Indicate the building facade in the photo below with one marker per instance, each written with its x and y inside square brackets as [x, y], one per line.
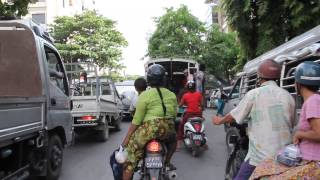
[44, 12]
[217, 15]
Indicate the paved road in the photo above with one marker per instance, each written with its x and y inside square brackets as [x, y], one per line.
[89, 160]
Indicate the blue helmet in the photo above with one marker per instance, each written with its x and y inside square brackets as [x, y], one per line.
[156, 75]
[308, 73]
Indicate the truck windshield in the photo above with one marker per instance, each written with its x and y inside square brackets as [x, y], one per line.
[86, 90]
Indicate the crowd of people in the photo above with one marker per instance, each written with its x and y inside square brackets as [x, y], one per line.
[271, 126]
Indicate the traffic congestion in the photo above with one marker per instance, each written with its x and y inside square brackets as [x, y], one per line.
[67, 112]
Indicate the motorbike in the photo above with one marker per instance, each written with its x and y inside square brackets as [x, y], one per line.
[237, 137]
[194, 136]
[152, 166]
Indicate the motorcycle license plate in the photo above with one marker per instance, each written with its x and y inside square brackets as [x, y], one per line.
[197, 137]
[153, 162]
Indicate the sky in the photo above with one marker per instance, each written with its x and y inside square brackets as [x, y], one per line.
[135, 21]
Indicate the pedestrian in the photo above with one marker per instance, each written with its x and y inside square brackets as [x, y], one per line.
[307, 137]
[191, 74]
[140, 85]
[271, 110]
[200, 79]
[220, 96]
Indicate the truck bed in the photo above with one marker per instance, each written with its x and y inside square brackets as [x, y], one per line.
[20, 116]
[90, 104]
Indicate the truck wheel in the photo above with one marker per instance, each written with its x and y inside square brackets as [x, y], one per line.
[118, 124]
[103, 135]
[55, 156]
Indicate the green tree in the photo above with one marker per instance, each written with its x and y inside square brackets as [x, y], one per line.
[178, 34]
[15, 9]
[264, 25]
[220, 53]
[89, 37]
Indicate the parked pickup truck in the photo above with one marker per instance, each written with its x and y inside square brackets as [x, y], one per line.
[97, 105]
[35, 116]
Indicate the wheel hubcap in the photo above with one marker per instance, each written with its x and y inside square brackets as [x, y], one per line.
[56, 157]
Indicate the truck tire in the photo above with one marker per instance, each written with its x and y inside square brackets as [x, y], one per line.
[103, 135]
[55, 156]
[118, 124]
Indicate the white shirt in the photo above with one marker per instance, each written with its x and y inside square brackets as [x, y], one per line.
[134, 102]
[271, 111]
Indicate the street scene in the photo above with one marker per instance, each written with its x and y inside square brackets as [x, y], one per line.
[159, 90]
[89, 160]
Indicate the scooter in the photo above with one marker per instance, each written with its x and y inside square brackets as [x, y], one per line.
[194, 136]
[153, 167]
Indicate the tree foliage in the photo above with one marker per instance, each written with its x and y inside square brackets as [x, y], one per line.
[16, 8]
[220, 53]
[264, 25]
[89, 37]
[178, 34]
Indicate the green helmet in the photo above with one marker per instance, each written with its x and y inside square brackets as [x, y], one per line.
[308, 73]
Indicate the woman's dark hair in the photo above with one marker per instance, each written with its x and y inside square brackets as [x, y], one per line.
[311, 88]
[140, 84]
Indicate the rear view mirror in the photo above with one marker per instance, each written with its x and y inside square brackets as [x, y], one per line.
[55, 74]
[122, 96]
[71, 105]
[233, 139]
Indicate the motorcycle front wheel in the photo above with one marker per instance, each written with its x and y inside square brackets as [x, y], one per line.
[234, 164]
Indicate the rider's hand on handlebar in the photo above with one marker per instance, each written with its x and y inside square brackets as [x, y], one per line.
[216, 120]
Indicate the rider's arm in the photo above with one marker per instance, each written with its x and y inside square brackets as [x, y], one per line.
[222, 120]
[201, 102]
[131, 130]
[311, 135]
[137, 119]
[239, 113]
[181, 102]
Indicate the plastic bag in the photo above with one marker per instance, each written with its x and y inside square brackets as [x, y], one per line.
[121, 155]
[117, 168]
[290, 155]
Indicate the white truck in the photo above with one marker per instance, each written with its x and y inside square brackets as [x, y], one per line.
[97, 105]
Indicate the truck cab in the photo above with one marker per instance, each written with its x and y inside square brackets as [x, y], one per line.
[35, 116]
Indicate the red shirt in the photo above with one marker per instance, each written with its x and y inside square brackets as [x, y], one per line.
[193, 101]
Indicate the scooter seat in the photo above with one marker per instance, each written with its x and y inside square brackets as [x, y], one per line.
[196, 119]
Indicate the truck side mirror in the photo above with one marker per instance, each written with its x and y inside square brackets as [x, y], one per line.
[71, 105]
[122, 96]
[56, 74]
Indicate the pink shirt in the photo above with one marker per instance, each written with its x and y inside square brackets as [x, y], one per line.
[311, 109]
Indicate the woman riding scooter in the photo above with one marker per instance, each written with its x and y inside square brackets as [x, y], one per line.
[307, 137]
[149, 122]
[194, 102]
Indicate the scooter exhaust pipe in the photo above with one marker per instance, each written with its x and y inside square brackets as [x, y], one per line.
[172, 175]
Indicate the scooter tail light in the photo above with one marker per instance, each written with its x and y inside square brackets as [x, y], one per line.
[197, 127]
[154, 146]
